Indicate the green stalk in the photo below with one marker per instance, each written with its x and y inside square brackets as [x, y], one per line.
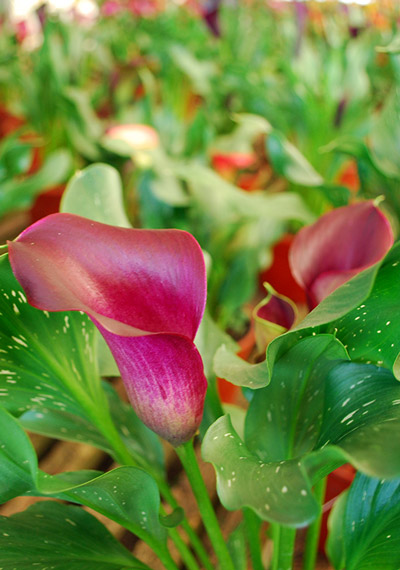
[195, 541]
[252, 528]
[188, 459]
[123, 456]
[284, 538]
[313, 532]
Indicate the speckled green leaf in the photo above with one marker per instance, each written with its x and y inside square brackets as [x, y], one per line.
[18, 462]
[276, 491]
[319, 411]
[365, 526]
[321, 407]
[284, 419]
[127, 495]
[371, 331]
[355, 312]
[49, 377]
[96, 193]
[64, 538]
[47, 361]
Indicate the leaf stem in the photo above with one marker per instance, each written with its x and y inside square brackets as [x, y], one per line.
[313, 532]
[195, 541]
[124, 457]
[284, 538]
[252, 529]
[188, 459]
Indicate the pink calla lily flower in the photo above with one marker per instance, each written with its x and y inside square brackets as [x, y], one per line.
[339, 245]
[145, 290]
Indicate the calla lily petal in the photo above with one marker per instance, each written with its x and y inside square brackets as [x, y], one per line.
[145, 290]
[339, 245]
[164, 378]
[131, 281]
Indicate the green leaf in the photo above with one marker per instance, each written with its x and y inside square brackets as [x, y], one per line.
[393, 47]
[319, 411]
[276, 492]
[16, 194]
[288, 161]
[64, 538]
[47, 359]
[344, 309]
[370, 332]
[365, 526]
[127, 495]
[199, 72]
[239, 372]
[96, 193]
[284, 419]
[224, 202]
[237, 547]
[208, 338]
[49, 378]
[18, 460]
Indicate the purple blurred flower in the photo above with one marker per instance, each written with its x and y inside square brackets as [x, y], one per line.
[145, 290]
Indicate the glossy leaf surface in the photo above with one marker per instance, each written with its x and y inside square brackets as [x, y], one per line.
[65, 538]
[365, 526]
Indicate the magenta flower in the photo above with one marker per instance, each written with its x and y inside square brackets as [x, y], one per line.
[339, 245]
[145, 290]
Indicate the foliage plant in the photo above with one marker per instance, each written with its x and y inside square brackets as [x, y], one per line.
[327, 393]
[144, 272]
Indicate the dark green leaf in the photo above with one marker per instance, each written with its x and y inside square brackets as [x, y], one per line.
[365, 526]
[18, 462]
[51, 535]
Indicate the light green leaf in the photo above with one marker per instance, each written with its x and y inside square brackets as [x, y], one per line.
[239, 372]
[96, 193]
[288, 161]
[276, 491]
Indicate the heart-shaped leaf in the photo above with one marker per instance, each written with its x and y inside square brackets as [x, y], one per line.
[365, 526]
[47, 360]
[355, 312]
[51, 535]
